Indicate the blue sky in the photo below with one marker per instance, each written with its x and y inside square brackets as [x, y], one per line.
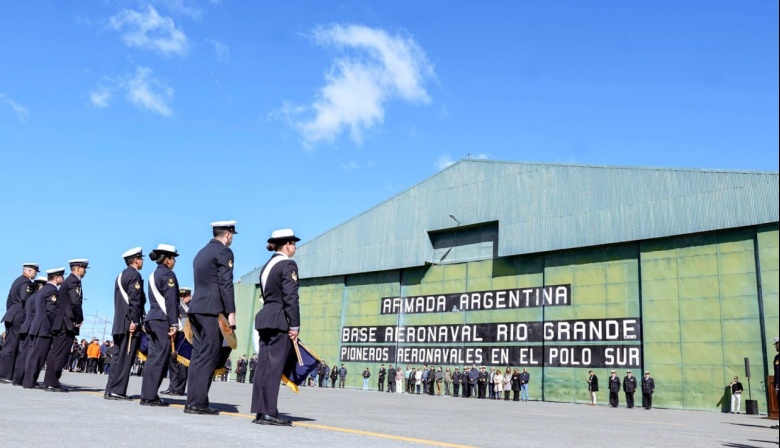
[126, 123]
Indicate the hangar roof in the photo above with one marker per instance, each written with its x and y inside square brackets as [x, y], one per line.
[540, 207]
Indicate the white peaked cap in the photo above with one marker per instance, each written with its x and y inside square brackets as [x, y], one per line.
[132, 252]
[283, 234]
[166, 248]
[55, 271]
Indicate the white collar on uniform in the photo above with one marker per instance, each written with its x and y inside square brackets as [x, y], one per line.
[281, 253]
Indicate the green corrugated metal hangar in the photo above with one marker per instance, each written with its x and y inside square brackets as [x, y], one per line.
[556, 268]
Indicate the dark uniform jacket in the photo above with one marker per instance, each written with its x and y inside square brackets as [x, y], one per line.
[648, 385]
[213, 272]
[21, 289]
[280, 296]
[629, 384]
[614, 384]
[69, 313]
[168, 287]
[29, 313]
[391, 375]
[456, 377]
[46, 309]
[124, 312]
[382, 374]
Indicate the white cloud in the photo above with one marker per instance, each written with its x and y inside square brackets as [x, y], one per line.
[150, 31]
[376, 67]
[349, 166]
[480, 156]
[147, 92]
[187, 8]
[221, 49]
[141, 89]
[20, 110]
[443, 162]
[100, 97]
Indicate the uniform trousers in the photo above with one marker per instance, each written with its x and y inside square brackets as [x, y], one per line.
[252, 377]
[391, 386]
[39, 350]
[121, 363]
[58, 356]
[177, 373]
[206, 344]
[647, 400]
[381, 385]
[21, 358]
[455, 389]
[157, 361]
[10, 351]
[629, 400]
[614, 399]
[275, 346]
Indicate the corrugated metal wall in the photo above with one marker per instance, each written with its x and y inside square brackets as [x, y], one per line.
[540, 208]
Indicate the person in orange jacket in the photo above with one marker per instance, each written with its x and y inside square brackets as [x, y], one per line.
[93, 356]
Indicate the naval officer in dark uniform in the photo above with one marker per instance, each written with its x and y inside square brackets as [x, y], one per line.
[66, 324]
[213, 295]
[277, 324]
[46, 307]
[129, 303]
[24, 341]
[162, 322]
[177, 372]
[21, 289]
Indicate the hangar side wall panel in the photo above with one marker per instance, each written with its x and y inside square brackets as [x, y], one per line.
[768, 248]
[700, 316]
[696, 298]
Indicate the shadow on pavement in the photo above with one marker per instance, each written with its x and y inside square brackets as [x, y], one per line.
[750, 426]
[296, 419]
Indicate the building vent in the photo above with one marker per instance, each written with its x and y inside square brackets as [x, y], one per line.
[466, 243]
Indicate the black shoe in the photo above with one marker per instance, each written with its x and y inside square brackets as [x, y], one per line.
[166, 392]
[200, 410]
[113, 396]
[155, 402]
[55, 388]
[262, 419]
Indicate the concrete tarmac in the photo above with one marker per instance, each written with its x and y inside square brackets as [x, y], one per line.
[342, 418]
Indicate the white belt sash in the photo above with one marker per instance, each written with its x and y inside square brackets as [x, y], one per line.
[157, 296]
[122, 290]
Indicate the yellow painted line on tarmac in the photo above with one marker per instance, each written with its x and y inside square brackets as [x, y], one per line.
[380, 435]
[334, 428]
[651, 422]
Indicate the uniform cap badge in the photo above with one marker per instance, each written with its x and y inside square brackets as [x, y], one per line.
[170, 283]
